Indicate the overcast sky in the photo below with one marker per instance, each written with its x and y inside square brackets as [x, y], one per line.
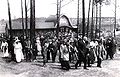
[44, 8]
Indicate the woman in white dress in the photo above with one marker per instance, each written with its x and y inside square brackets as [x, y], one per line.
[18, 51]
[38, 44]
[4, 47]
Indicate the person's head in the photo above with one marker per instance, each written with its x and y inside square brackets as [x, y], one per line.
[99, 42]
[17, 41]
[85, 38]
[65, 41]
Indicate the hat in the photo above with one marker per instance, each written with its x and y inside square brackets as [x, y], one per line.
[38, 38]
[85, 38]
[17, 40]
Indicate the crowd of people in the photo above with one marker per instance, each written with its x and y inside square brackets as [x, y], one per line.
[68, 47]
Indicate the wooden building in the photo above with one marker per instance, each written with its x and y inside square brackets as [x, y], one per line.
[43, 25]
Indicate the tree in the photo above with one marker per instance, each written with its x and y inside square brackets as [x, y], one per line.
[10, 22]
[92, 22]
[32, 22]
[88, 18]
[83, 19]
[26, 19]
[78, 18]
[22, 17]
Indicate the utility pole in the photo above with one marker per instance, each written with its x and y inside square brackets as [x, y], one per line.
[78, 19]
[9, 15]
[22, 17]
[88, 19]
[32, 22]
[83, 19]
[26, 20]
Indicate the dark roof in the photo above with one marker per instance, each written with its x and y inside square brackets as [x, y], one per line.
[40, 24]
[51, 18]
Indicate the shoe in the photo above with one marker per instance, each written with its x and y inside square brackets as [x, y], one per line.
[89, 65]
[99, 66]
[75, 67]
[86, 68]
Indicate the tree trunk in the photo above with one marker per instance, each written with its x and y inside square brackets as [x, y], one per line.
[32, 22]
[96, 20]
[83, 19]
[10, 22]
[22, 17]
[26, 21]
[100, 19]
[88, 19]
[78, 19]
[92, 22]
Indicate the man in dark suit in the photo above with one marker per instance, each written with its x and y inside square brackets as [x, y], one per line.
[82, 53]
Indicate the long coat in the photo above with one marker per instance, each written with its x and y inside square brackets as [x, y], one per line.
[82, 50]
[101, 51]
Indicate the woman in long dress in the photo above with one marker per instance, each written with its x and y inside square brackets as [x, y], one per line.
[4, 47]
[38, 44]
[18, 51]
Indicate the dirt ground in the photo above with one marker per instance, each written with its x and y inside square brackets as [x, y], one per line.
[110, 68]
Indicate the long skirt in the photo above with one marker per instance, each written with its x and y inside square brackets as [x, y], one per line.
[18, 55]
[6, 54]
[5, 51]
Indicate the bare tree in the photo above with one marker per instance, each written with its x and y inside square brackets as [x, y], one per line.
[88, 18]
[9, 15]
[26, 19]
[32, 22]
[83, 19]
[22, 17]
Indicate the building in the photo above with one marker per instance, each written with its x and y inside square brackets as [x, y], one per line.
[66, 24]
[43, 25]
[2, 28]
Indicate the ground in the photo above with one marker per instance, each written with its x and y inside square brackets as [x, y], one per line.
[110, 68]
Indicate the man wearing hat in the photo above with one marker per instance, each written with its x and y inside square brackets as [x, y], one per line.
[82, 53]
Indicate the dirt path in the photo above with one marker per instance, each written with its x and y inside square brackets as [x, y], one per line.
[110, 68]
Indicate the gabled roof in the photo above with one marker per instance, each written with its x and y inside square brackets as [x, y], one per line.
[53, 18]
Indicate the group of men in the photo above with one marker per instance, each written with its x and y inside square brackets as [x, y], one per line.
[69, 49]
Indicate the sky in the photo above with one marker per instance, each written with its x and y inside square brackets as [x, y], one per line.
[44, 8]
